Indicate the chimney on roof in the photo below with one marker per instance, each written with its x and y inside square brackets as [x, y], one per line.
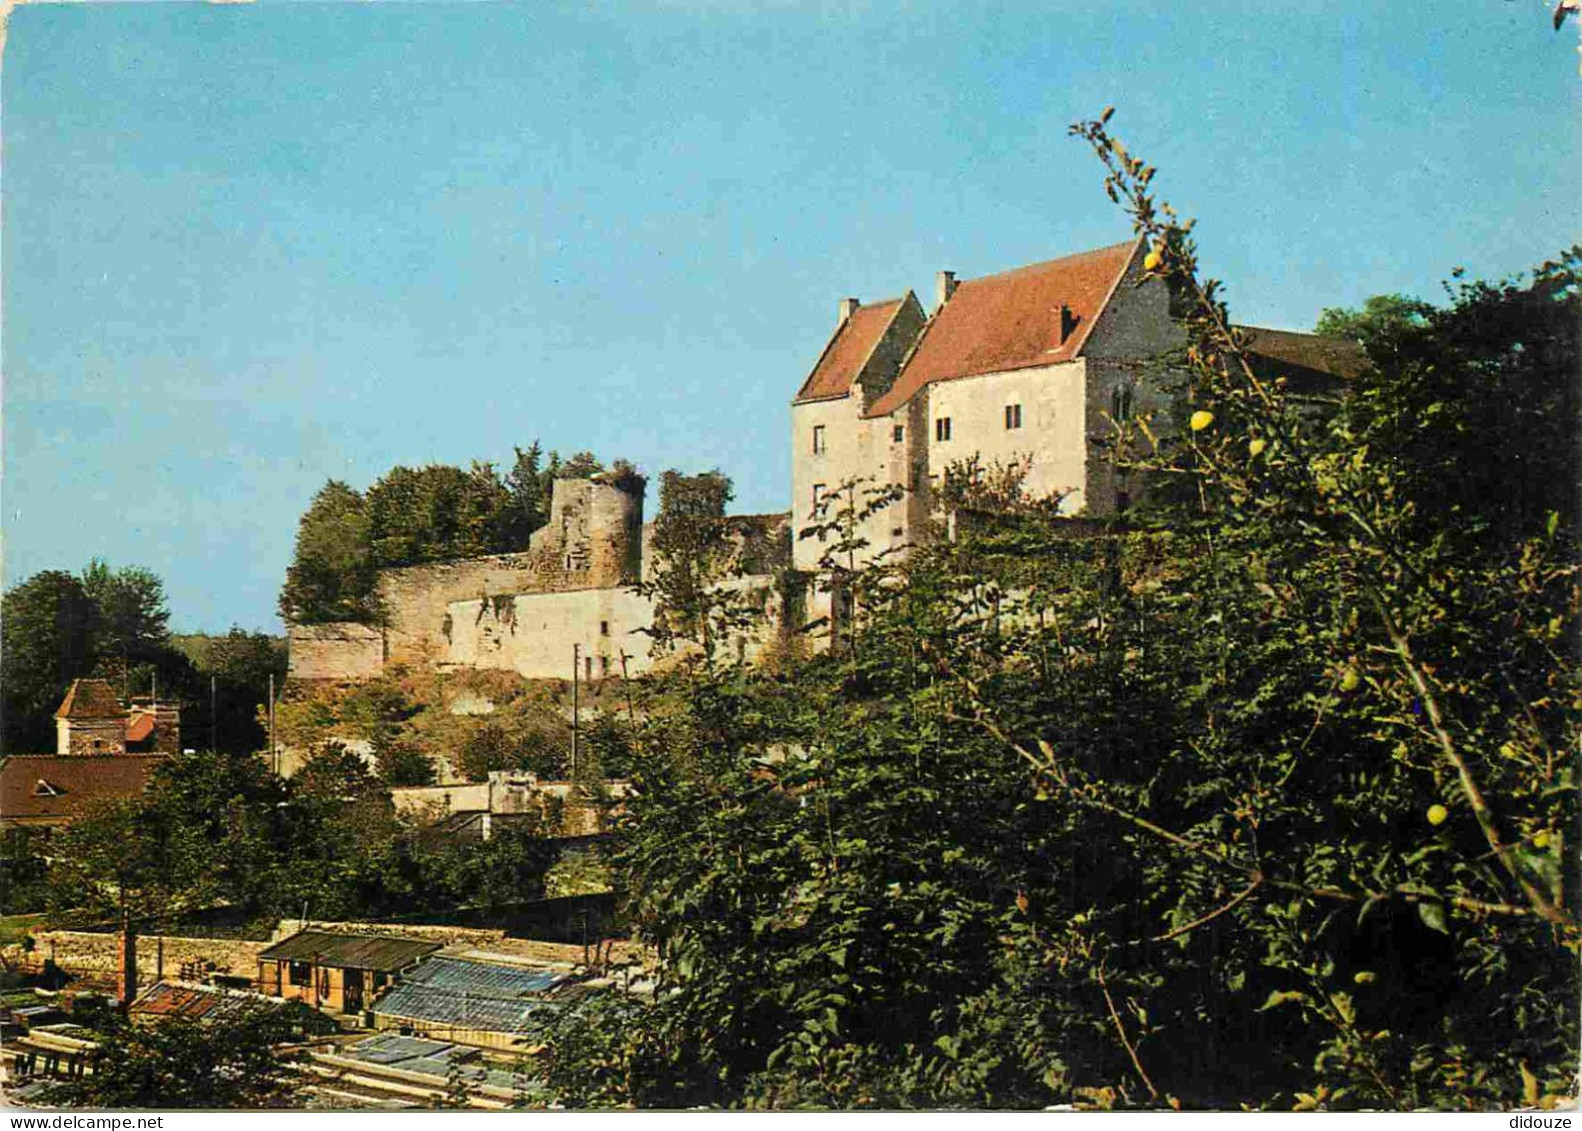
[1068, 322]
[944, 287]
[848, 307]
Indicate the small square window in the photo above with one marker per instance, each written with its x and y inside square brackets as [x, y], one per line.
[818, 439]
[899, 434]
[942, 429]
[1013, 416]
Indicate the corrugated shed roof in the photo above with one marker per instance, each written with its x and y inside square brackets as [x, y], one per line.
[90, 699]
[1011, 321]
[1312, 353]
[356, 952]
[413, 1001]
[438, 1059]
[61, 787]
[388, 1048]
[473, 995]
[848, 351]
[177, 999]
[483, 977]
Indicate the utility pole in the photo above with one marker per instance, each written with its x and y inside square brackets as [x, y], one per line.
[626, 685]
[576, 663]
[214, 714]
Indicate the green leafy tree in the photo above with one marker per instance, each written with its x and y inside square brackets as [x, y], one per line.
[529, 485]
[437, 513]
[180, 1063]
[125, 863]
[695, 556]
[50, 626]
[133, 622]
[24, 870]
[227, 686]
[333, 571]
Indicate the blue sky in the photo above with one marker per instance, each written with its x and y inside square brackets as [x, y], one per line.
[248, 248]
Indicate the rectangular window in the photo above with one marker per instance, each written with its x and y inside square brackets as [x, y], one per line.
[898, 435]
[587, 667]
[818, 501]
[942, 429]
[1013, 416]
[604, 628]
[300, 974]
[818, 438]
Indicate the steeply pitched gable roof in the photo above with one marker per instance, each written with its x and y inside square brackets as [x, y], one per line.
[848, 351]
[71, 783]
[1011, 321]
[90, 699]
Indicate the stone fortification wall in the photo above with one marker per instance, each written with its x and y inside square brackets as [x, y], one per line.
[525, 612]
[533, 634]
[335, 651]
[593, 541]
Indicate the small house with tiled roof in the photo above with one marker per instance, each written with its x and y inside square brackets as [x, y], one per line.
[92, 720]
[1027, 366]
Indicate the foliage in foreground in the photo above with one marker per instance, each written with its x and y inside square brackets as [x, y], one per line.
[182, 1063]
[218, 831]
[1261, 799]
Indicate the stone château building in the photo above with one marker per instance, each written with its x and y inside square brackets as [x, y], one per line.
[1025, 366]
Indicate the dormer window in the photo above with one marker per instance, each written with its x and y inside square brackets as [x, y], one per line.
[44, 789]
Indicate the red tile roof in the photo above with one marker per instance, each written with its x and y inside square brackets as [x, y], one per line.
[90, 699]
[848, 351]
[139, 726]
[1011, 321]
[70, 783]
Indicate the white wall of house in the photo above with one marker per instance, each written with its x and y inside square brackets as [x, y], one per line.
[1052, 403]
